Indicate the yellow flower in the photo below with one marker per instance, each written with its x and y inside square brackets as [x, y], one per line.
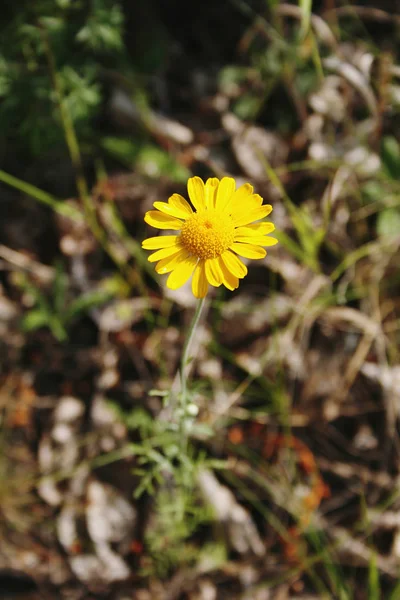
[220, 227]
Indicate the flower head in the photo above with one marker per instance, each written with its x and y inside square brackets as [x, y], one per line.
[211, 236]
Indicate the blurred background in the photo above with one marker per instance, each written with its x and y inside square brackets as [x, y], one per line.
[290, 487]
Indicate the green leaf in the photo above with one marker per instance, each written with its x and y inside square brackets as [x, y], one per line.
[374, 591]
[81, 95]
[57, 329]
[289, 244]
[64, 3]
[35, 319]
[232, 76]
[103, 29]
[5, 76]
[60, 286]
[390, 154]
[123, 149]
[247, 107]
[372, 191]
[388, 224]
[86, 302]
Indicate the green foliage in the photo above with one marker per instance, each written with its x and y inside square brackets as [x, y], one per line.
[179, 513]
[333, 570]
[56, 312]
[248, 106]
[159, 452]
[103, 27]
[81, 94]
[310, 237]
[69, 39]
[388, 224]
[170, 475]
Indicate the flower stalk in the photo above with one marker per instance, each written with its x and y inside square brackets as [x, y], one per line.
[185, 359]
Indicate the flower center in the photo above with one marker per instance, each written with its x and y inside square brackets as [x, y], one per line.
[208, 234]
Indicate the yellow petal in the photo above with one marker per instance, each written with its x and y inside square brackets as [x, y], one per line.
[238, 199]
[256, 199]
[179, 202]
[248, 250]
[171, 210]
[230, 281]
[161, 241]
[213, 272]
[259, 240]
[181, 272]
[157, 219]
[199, 281]
[196, 192]
[253, 202]
[224, 194]
[210, 192]
[234, 264]
[249, 202]
[249, 216]
[167, 264]
[256, 229]
[163, 253]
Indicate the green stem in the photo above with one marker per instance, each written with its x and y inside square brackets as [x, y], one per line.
[185, 357]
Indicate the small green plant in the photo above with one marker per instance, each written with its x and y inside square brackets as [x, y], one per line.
[170, 475]
[178, 515]
[159, 451]
[81, 41]
[55, 311]
[388, 220]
